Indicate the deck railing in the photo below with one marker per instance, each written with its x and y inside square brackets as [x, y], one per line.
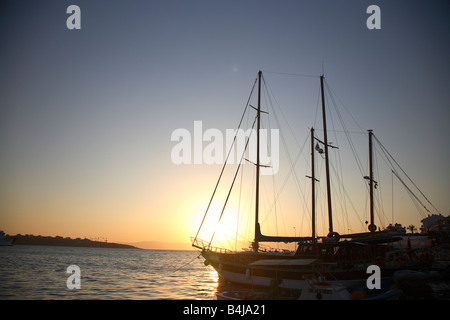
[205, 245]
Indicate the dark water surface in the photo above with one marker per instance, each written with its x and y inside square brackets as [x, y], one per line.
[40, 272]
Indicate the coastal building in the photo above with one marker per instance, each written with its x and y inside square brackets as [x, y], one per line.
[435, 223]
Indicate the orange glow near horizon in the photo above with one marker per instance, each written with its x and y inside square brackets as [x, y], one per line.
[223, 232]
[172, 213]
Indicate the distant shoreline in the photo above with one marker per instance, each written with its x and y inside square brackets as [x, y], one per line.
[66, 242]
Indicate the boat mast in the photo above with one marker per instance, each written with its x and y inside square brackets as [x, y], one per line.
[372, 226]
[327, 164]
[255, 243]
[313, 191]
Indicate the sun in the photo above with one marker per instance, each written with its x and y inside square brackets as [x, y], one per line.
[221, 228]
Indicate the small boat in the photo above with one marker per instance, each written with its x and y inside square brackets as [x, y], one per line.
[318, 289]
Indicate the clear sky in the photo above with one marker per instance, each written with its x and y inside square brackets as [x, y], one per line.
[87, 115]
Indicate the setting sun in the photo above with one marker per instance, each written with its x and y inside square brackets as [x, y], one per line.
[223, 233]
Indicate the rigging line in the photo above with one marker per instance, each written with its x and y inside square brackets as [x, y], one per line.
[240, 196]
[184, 265]
[247, 204]
[266, 197]
[273, 207]
[273, 176]
[243, 238]
[344, 194]
[289, 173]
[379, 195]
[346, 131]
[383, 147]
[339, 189]
[234, 179]
[269, 90]
[271, 104]
[411, 193]
[292, 169]
[226, 160]
[284, 140]
[318, 106]
[268, 102]
[340, 197]
[239, 209]
[246, 229]
[387, 160]
[293, 74]
[343, 105]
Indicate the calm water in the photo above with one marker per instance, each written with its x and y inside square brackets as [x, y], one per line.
[39, 272]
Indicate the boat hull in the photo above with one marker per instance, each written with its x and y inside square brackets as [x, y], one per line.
[288, 273]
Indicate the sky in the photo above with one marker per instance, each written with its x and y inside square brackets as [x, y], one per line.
[87, 115]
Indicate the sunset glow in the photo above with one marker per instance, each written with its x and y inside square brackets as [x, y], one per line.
[88, 115]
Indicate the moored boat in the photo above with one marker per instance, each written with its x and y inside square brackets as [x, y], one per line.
[340, 262]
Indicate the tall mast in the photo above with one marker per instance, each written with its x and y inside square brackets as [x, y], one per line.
[372, 226]
[313, 183]
[327, 164]
[257, 229]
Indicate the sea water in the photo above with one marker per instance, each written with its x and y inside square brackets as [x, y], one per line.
[41, 272]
